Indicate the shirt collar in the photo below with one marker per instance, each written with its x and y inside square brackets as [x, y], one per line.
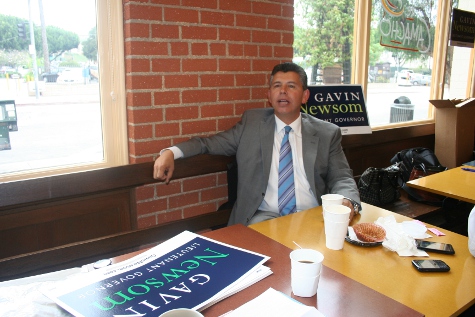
[296, 125]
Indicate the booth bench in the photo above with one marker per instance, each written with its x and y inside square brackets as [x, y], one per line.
[58, 222]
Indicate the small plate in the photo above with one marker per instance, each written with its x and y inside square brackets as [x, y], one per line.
[362, 244]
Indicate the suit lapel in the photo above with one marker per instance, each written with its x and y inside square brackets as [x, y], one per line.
[309, 149]
[266, 134]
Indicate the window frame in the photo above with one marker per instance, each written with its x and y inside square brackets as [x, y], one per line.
[360, 57]
[110, 35]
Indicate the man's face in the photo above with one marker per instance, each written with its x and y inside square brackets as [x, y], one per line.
[286, 95]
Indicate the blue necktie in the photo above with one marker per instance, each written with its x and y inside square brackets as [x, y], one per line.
[287, 201]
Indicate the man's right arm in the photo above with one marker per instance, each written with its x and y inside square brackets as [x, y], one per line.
[223, 143]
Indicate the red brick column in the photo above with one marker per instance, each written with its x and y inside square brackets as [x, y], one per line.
[192, 68]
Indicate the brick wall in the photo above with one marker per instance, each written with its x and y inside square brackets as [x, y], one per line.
[192, 68]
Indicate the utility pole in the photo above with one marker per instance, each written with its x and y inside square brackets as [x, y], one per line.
[44, 38]
[33, 52]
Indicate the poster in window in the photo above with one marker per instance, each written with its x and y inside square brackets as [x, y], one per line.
[343, 105]
[462, 30]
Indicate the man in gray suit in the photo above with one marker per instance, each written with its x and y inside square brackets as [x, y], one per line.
[319, 163]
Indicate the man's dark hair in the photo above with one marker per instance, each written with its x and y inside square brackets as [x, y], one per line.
[290, 67]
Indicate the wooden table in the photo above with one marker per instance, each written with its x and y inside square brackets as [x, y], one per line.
[433, 294]
[337, 294]
[455, 183]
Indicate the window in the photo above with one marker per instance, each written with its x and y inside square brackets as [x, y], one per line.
[396, 50]
[400, 61]
[456, 79]
[323, 40]
[73, 117]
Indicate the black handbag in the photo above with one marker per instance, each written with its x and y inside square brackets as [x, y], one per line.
[409, 158]
[419, 162]
[379, 186]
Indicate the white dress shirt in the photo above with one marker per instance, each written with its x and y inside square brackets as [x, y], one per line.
[303, 193]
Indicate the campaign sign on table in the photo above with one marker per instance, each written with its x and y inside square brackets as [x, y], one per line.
[186, 277]
[343, 105]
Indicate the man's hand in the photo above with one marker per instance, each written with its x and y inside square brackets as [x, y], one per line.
[348, 204]
[164, 166]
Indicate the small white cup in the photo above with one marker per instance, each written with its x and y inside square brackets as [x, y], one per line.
[335, 233]
[304, 286]
[181, 312]
[336, 229]
[306, 268]
[334, 243]
[307, 262]
[331, 199]
[337, 213]
[337, 218]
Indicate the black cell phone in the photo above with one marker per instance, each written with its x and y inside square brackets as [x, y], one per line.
[438, 247]
[430, 265]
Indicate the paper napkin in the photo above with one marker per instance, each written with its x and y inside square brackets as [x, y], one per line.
[400, 236]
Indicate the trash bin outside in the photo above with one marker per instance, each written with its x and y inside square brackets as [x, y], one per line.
[50, 77]
[8, 114]
[401, 110]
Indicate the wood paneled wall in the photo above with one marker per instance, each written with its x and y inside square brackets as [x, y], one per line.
[377, 149]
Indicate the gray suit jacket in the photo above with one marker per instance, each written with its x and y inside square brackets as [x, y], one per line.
[251, 140]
